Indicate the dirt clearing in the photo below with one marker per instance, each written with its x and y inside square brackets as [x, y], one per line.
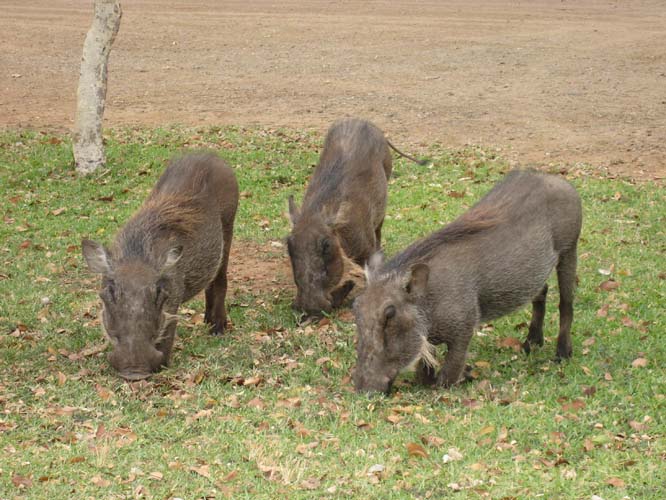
[546, 82]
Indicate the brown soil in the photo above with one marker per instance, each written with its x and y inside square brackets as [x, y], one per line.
[544, 81]
[258, 269]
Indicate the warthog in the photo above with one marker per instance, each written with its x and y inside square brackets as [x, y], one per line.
[494, 258]
[339, 225]
[176, 245]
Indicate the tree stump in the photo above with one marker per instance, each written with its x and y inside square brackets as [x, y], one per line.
[91, 95]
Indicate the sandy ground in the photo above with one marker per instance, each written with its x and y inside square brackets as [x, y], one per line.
[544, 81]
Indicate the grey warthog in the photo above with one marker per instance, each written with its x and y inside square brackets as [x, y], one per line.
[339, 224]
[494, 258]
[176, 245]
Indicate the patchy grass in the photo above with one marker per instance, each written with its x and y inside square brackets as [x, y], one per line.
[268, 410]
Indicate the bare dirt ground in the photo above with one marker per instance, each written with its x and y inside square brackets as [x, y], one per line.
[255, 269]
[544, 81]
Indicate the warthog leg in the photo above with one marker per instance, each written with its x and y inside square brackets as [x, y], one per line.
[535, 335]
[566, 277]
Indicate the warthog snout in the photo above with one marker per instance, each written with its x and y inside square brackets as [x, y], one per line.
[372, 383]
[138, 364]
[314, 305]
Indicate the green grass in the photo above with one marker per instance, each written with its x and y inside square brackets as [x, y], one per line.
[526, 427]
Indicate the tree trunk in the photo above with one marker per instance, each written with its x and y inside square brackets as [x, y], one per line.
[91, 94]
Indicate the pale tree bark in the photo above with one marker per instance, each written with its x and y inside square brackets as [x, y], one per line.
[91, 95]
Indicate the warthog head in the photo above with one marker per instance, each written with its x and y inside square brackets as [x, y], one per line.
[392, 330]
[135, 297]
[317, 261]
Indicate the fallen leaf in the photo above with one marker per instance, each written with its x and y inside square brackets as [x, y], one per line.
[253, 381]
[486, 430]
[416, 450]
[616, 482]
[305, 448]
[471, 403]
[198, 415]
[510, 342]
[202, 470]
[589, 391]
[433, 441]
[256, 403]
[124, 436]
[393, 418]
[637, 426]
[156, 476]
[588, 445]
[21, 481]
[311, 483]
[100, 482]
[608, 377]
[575, 405]
[58, 211]
[93, 350]
[196, 377]
[639, 363]
[230, 477]
[376, 469]
[456, 194]
[294, 402]
[602, 312]
[628, 322]
[609, 285]
[103, 393]
[452, 455]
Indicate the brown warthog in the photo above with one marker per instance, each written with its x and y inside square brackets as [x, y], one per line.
[491, 260]
[339, 225]
[176, 245]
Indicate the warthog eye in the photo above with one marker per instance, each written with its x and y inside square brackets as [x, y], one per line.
[389, 312]
[325, 246]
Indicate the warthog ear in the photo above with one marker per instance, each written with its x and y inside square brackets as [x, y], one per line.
[96, 257]
[173, 255]
[372, 266]
[294, 212]
[417, 279]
